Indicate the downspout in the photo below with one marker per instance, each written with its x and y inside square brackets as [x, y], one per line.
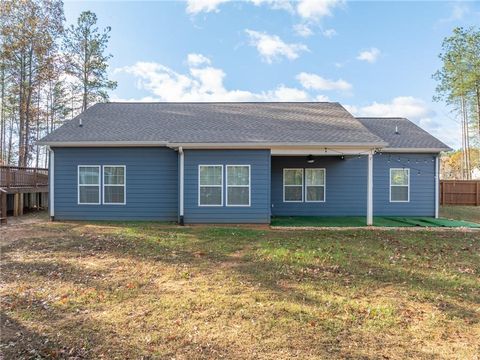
[370, 190]
[437, 183]
[51, 178]
[181, 185]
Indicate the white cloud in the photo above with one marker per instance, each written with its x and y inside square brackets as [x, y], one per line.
[203, 83]
[197, 60]
[316, 82]
[276, 4]
[369, 55]
[303, 30]
[329, 33]
[458, 12]
[415, 110]
[198, 6]
[317, 9]
[271, 47]
[401, 106]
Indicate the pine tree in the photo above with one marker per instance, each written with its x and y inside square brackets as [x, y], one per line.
[85, 46]
[459, 85]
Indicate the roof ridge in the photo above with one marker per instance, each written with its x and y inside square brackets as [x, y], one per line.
[382, 117]
[220, 102]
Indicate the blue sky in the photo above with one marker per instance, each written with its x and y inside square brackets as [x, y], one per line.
[376, 58]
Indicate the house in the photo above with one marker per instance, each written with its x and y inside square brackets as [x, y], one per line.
[239, 163]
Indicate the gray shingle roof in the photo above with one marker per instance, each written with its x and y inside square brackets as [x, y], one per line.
[262, 123]
[410, 136]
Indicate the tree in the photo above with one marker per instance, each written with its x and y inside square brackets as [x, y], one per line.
[86, 61]
[459, 85]
[29, 33]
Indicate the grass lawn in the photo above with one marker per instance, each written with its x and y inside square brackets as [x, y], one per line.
[359, 221]
[118, 291]
[468, 213]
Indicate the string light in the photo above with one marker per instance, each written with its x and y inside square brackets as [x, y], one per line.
[404, 162]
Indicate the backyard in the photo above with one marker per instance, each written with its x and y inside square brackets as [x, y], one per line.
[112, 290]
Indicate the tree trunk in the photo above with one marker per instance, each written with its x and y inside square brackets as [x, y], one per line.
[21, 112]
[10, 139]
[477, 89]
[2, 116]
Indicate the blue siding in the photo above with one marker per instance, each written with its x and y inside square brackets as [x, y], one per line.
[346, 186]
[258, 212]
[151, 180]
[422, 185]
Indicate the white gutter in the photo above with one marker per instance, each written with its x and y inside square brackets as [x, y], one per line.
[266, 145]
[181, 190]
[437, 186]
[415, 150]
[102, 143]
[51, 178]
[246, 145]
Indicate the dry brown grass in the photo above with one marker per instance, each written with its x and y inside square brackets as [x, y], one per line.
[80, 290]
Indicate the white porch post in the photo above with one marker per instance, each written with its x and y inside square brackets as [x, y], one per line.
[437, 185]
[370, 190]
[51, 179]
[181, 190]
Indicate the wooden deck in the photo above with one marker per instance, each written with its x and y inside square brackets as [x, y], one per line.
[28, 186]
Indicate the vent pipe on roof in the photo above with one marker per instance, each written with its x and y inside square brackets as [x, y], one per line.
[80, 124]
[396, 130]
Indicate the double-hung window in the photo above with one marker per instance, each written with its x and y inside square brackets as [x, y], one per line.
[314, 185]
[114, 185]
[238, 185]
[292, 185]
[399, 185]
[210, 182]
[89, 184]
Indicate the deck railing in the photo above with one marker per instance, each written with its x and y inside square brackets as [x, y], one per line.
[22, 177]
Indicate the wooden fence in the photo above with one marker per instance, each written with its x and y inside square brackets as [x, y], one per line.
[460, 192]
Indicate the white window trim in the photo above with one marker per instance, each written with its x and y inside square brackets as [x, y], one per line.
[124, 185]
[408, 185]
[220, 186]
[249, 186]
[324, 185]
[99, 184]
[284, 186]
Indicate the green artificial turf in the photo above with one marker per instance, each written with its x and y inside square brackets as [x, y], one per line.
[346, 221]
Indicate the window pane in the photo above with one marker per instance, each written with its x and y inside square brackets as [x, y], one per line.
[114, 194]
[293, 193]
[399, 177]
[89, 175]
[89, 194]
[238, 196]
[210, 175]
[399, 193]
[315, 176]
[114, 175]
[238, 175]
[210, 195]
[315, 193]
[293, 177]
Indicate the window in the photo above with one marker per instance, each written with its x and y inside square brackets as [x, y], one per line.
[238, 185]
[292, 185]
[210, 183]
[89, 184]
[114, 185]
[314, 185]
[399, 185]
